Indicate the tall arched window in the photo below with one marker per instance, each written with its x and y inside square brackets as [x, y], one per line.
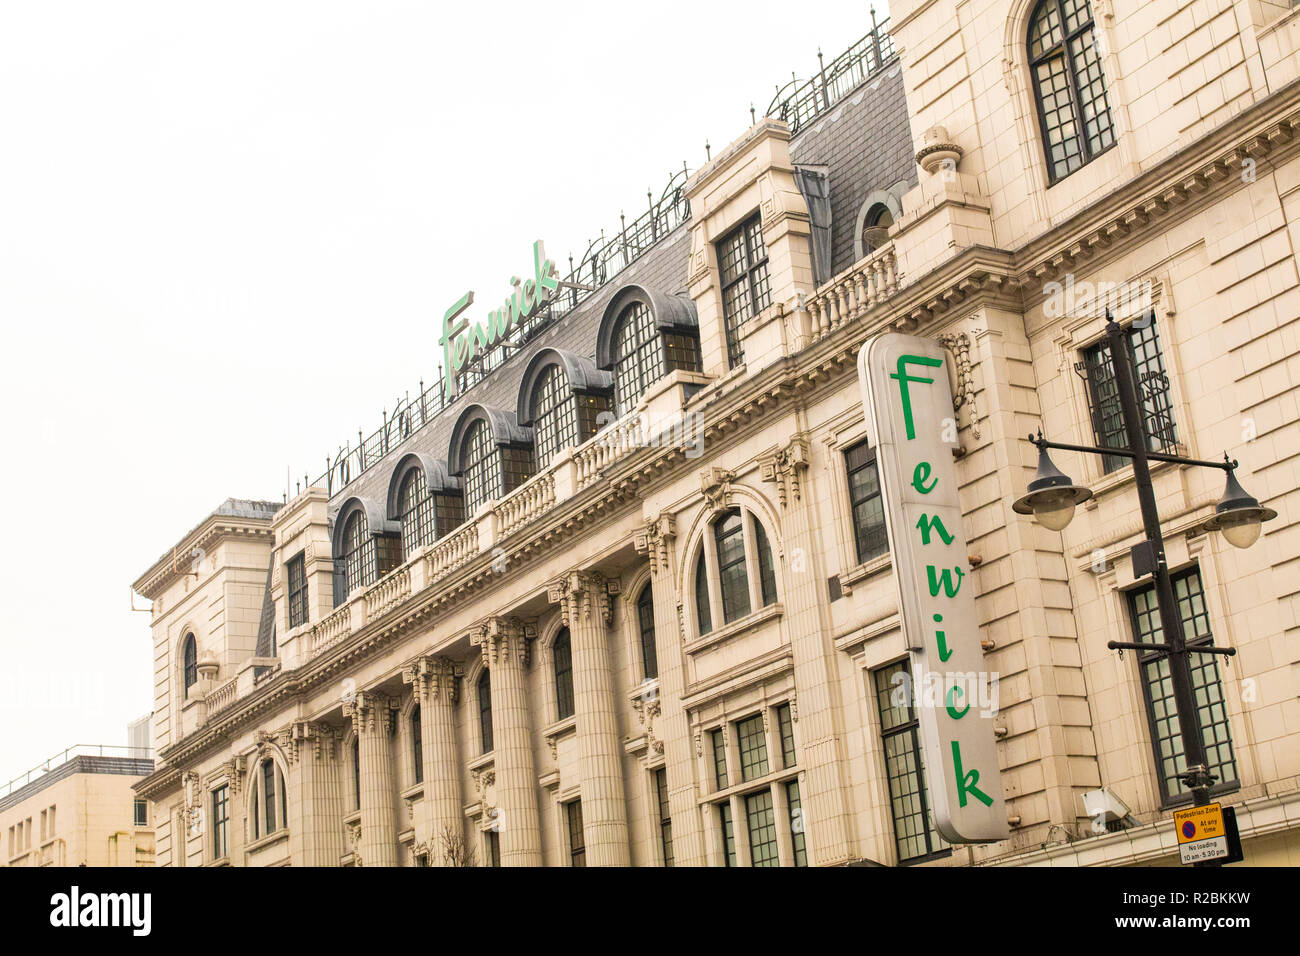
[555, 422]
[358, 555]
[645, 618]
[562, 652]
[270, 804]
[190, 658]
[636, 351]
[417, 512]
[736, 548]
[417, 744]
[480, 466]
[1073, 108]
[485, 710]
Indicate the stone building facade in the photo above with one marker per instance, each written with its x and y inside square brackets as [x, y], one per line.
[627, 598]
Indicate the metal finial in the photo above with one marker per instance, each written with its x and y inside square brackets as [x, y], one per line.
[752, 118]
[708, 152]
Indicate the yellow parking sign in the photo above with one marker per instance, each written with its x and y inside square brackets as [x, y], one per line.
[1201, 833]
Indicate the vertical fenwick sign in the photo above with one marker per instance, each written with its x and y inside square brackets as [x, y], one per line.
[906, 391]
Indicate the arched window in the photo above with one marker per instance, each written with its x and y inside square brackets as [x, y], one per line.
[875, 228]
[417, 512]
[190, 657]
[358, 557]
[480, 466]
[562, 652]
[636, 350]
[645, 618]
[485, 710]
[1073, 108]
[736, 549]
[417, 744]
[270, 804]
[555, 422]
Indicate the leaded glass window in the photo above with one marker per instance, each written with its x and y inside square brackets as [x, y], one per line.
[742, 260]
[480, 466]
[358, 558]
[1073, 107]
[637, 357]
[417, 513]
[555, 422]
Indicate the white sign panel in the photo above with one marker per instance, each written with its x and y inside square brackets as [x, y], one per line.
[906, 391]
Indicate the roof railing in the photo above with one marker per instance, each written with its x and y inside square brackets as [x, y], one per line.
[70, 753]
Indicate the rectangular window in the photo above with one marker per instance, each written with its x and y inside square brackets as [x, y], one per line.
[296, 575]
[785, 721]
[1152, 385]
[729, 538]
[268, 794]
[719, 759]
[742, 261]
[141, 812]
[728, 834]
[762, 829]
[493, 848]
[577, 847]
[914, 832]
[864, 500]
[43, 812]
[753, 747]
[1162, 711]
[220, 822]
[665, 818]
[797, 841]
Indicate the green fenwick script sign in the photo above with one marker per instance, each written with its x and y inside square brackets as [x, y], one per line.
[528, 297]
[906, 391]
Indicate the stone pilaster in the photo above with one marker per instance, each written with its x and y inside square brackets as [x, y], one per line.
[235, 778]
[505, 653]
[316, 784]
[372, 716]
[828, 822]
[657, 541]
[584, 601]
[435, 681]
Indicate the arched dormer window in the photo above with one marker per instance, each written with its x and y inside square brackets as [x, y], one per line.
[269, 807]
[358, 552]
[425, 501]
[564, 398]
[484, 689]
[562, 655]
[734, 573]
[491, 454]
[643, 336]
[365, 545]
[190, 662]
[875, 227]
[1069, 88]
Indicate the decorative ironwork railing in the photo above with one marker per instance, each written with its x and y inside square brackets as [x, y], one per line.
[799, 102]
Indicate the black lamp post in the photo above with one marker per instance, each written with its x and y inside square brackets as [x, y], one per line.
[1051, 497]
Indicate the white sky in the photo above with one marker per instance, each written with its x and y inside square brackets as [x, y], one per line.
[228, 232]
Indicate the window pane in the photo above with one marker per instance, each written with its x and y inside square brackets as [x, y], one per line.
[766, 571]
[555, 424]
[268, 794]
[753, 747]
[1153, 390]
[868, 509]
[728, 834]
[563, 675]
[719, 759]
[220, 822]
[638, 363]
[665, 818]
[785, 722]
[702, 610]
[480, 468]
[742, 261]
[297, 588]
[797, 839]
[485, 711]
[762, 829]
[417, 744]
[729, 537]
[914, 832]
[416, 513]
[577, 848]
[645, 612]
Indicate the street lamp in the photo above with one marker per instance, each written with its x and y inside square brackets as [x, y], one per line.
[1052, 496]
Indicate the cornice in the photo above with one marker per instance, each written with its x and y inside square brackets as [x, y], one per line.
[168, 569]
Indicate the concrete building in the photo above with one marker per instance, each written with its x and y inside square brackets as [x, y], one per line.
[621, 592]
[79, 809]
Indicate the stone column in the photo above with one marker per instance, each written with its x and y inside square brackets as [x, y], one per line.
[372, 716]
[657, 541]
[505, 652]
[435, 681]
[821, 746]
[315, 782]
[586, 610]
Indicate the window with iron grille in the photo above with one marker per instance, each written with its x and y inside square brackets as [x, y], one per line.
[728, 834]
[577, 846]
[914, 832]
[1069, 88]
[481, 467]
[417, 513]
[729, 537]
[220, 822]
[358, 558]
[417, 744]
[665, 818]
[868, 509]
[562, 653]
[785, 723]
[797, 841]
[1157, 684]
[761, 820]
[752, 738]
[1153, 394]
[296, 575]
[645, 614]
[190, 657]
[719, 759]
[485, 710]
[555, 420]
[638, 360]
[742, 260]
[141, 815]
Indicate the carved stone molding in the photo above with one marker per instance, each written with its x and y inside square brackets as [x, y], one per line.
[371, 712]
[584, 596]
[786, 468]
[433, 678]
[958, 343]
[655, 540]
[503, 638]
[715, 484]
[234, 771]
[323, 739]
